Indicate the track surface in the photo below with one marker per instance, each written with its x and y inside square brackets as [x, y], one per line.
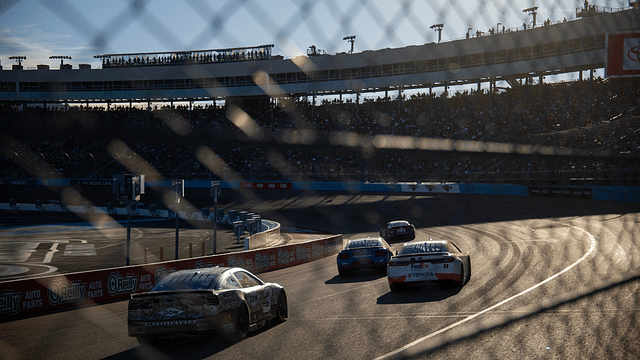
[541, 270]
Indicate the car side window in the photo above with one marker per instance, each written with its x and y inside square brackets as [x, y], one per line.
[231, 283]
[246, 280]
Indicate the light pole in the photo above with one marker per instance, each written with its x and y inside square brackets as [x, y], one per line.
[438, 28]
[351, 39]
[61, 57]
[532, 11]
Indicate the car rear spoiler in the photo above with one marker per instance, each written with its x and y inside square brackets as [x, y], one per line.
[171, 292]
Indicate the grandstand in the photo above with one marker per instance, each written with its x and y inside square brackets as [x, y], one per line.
[513, 55]
[532, 132]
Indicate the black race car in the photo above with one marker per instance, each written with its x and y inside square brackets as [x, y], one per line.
[398, 230]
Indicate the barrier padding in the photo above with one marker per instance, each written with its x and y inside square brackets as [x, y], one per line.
[267, 236]
[33, 297]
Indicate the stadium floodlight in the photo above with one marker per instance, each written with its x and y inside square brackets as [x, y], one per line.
[18, 59]
[351, 39]
[532, 11]
[61, 57]
[438, 28]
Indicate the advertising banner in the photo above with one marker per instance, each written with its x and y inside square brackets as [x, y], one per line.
[430, 188]
[623, 54]
[32, 297]
[261, 185]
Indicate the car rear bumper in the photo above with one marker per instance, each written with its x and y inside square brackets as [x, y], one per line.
[181, 326]
[437, 277]
[362, 265]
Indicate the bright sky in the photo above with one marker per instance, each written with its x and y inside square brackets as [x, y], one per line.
[84, 28]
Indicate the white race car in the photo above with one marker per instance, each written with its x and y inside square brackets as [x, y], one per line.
[420, 262]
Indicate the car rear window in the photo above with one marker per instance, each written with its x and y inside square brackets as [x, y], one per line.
[364, 243]
[423, 247]
[396, 224]
[187, 281]
[402, 229]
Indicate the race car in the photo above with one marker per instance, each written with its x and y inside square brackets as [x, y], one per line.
[364, 254]
[229, 301]
[398, 230]
[420, 262]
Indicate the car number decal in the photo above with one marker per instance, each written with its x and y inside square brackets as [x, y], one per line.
[266, 305]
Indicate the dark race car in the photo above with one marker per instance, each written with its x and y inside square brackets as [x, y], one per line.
[230, 301]
[420, 262]
[364, 254]
[398, 230]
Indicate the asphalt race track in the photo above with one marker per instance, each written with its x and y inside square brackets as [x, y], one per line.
[551, 279]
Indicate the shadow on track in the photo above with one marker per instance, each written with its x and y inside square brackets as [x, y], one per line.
[420, 294]
[176, 348]
[356, 277]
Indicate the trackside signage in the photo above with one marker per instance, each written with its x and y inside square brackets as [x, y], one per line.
[623, 54]
[32, 297]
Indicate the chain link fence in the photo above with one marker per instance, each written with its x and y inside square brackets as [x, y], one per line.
[569, 131]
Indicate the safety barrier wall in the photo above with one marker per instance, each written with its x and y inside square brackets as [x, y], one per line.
[607, 193]
[31, 297]
[264, 238]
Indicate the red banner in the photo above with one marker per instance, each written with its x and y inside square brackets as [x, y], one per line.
[25, 298]
[260, 185]
[623, 55]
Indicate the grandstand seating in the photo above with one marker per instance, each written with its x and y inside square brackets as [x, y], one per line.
[599, 118]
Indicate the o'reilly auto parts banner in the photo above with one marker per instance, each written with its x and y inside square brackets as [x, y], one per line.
[33, 297]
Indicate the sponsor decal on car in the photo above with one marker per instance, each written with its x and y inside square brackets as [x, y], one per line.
[169, 323]
[420, 275]
[227, 320]
[169, 312]
[417, 266]
[253, 299]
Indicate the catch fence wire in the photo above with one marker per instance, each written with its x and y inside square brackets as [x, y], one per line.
[576, 133]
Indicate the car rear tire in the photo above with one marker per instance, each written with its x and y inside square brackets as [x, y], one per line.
[395, 287]
[468, 270]
[462, 277]
[344, 273]
[146, 340]
[282, 310]
[241, 325]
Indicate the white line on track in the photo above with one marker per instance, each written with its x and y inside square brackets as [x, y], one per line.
[49, 255]
[404, 351]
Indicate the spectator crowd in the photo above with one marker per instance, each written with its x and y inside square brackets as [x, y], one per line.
[548, 133]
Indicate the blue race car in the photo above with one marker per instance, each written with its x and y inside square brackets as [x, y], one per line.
[364, 254]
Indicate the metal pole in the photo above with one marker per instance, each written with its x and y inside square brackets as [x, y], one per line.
[128, 232]
[215, 221]
[177, 225]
